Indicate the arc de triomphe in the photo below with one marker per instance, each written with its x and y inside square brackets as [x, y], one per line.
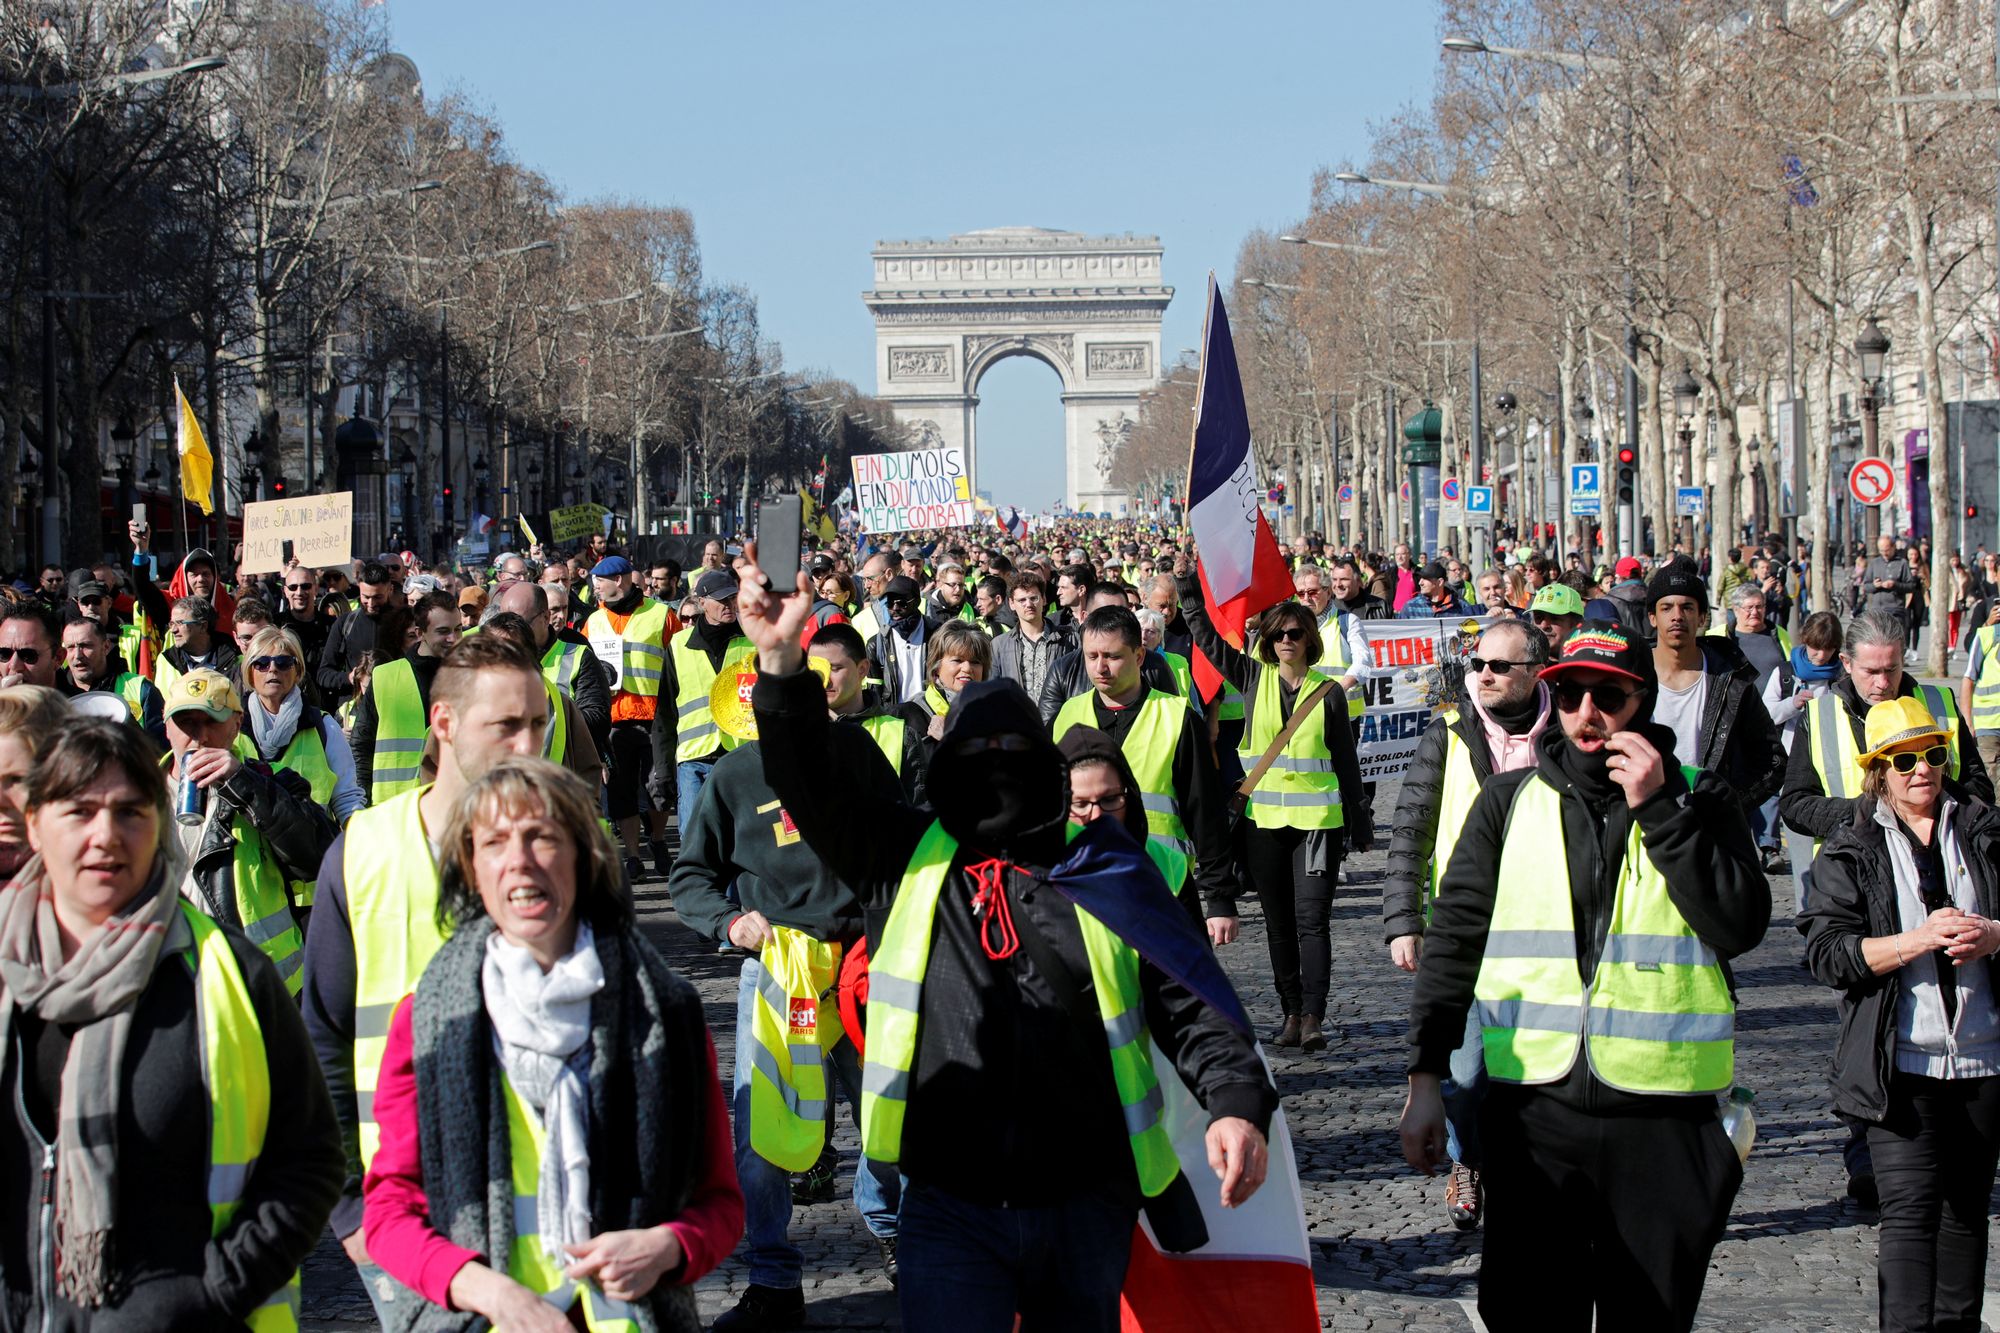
[1089, 306]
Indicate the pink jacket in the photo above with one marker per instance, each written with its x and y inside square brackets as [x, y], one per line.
[396, 1219]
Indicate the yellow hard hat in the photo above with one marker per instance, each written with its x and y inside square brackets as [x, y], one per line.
[1896, 721]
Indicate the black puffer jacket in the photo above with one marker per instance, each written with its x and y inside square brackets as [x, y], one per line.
[296, 831]
[1854, 898]
[1067, 679]
[1414, 834]
[1738, 742]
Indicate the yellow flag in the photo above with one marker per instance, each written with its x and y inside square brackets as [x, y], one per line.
[197, 464]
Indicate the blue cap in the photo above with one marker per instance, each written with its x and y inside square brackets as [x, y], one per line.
[610, 567]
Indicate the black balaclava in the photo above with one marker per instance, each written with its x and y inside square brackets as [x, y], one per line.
[1013, 801]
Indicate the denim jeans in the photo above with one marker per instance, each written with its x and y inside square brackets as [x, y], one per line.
[689, 777]
[767, 1190]
[969, 1268]
[1764, 823]
[382, 1291]
[1463, 1092]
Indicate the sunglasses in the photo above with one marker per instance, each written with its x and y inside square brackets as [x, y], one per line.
[1493, 664]
[298, 587]
[90, 601]
[1608, 698]
[28, 656]
[1288, 634]
[1905, 761]
[282, 662]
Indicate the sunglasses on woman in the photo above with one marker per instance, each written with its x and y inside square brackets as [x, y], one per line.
[282, 662]
[1608, 698]
[1905, 761]
[1288, 634]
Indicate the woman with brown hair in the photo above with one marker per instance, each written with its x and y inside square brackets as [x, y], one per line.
[1296, 830]
[551, 1058]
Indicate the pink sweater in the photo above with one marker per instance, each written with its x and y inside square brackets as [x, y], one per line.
[396, 1219]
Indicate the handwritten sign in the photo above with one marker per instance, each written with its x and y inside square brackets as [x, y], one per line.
[319, 527]
[916, 488]
[1415, 669]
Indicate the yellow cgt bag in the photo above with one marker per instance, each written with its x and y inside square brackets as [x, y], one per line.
[794, 1023]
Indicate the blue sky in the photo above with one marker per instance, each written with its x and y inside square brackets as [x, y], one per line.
[801, 134]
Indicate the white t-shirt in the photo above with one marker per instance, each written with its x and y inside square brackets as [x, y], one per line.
[1680, 712]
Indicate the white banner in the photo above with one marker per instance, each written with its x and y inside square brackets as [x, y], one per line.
[913, 489]
[1415, 668]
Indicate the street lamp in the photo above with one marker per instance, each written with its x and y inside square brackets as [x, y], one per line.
[1348, 246]
[1872, 347]
[1687, 401]
[1268, 285]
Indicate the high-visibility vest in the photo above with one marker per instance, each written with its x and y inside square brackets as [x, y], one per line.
[1183, 673]
[896, 969]
[1836, 755]
[306, 756]
[1300, 789]
[866, 622]
[392, 893]
[1334, 659]
[1778, 635]
[1149, 748]
[886, 730]
[694, 675]
[1656, 1017]
[131, 687]
[1986, 689]
[561, 661]
[1231, 707]
[237, 1075]
[639, 650]
[555, 742]
[135, 638]
[794, 1023]
[401, 725]
[528, 1263]
[1460, 789]
[165, 673]
[262, 900]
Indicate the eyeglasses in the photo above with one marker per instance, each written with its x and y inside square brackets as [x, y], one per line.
[1905, 761]
[1110, 805]
[1493, 664]
[182, 624]
[1608, 698]
[1288, 634]
[281, 662]
[298, 587]
[28, 656]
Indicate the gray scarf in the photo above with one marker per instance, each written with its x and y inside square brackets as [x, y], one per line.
[275, 731]
[96, 987]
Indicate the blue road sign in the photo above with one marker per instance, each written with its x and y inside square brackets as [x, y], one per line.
[1479, 500]
[1585, 494]
[1690, 502]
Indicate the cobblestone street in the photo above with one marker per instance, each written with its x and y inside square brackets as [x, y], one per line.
[1798, 1257]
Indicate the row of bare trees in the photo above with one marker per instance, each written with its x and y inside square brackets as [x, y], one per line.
[258, 199]
[1740, 185]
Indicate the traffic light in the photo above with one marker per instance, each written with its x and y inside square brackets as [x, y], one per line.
[278, 487]
[1972, 511]
[1627, 474]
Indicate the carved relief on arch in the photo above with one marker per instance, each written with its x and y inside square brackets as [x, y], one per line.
[982, 349]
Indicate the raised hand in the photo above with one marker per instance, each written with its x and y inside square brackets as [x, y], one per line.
[773, 622]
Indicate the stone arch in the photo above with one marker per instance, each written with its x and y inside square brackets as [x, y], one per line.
[1087, 306]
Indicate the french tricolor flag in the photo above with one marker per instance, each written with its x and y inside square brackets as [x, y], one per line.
[1242, 570]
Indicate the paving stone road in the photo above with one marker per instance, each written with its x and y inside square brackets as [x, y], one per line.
[1798, 1257]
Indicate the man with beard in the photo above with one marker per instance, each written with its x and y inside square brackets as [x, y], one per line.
[1610, 1158]
[90, 665]
[341, 668]
[1505, 711]
[302, 614]
[977, 1022]
[900, 646]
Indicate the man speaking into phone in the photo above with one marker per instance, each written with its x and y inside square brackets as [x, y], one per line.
[1604, 1005]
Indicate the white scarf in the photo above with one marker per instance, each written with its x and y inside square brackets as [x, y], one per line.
[541, 1028]
[274, 732]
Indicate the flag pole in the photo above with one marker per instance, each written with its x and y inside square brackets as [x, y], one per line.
[1194, 426]
[180, 476]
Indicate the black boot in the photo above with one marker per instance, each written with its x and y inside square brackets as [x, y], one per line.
[764, 1308]
[1288, 1035]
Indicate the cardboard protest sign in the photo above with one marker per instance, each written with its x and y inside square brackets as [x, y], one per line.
[913, 489]
[319, 528]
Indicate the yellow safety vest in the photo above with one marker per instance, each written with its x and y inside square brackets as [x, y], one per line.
[401, 726]
[1656, 1017]
[134, 635]
[1300, 789]
[131, 687]
[527, 1262]
[1836, 755]
[236, 1074]
[1460, 790]
[794, 1023]
[555, 743]
[560, 663]
[392, 893]
[1183, 672]
[165, 673]
[896, 971]
[638, 651]
[1986, 689]
[1149, 748]
[306, 756]
[263, 903]
[1334, 659]
[1231, 707]
[693, 675]
[886, 730]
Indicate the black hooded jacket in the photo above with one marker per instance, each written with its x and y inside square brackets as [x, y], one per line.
[1738, 742]
[1010, 1101]
[1697, 839]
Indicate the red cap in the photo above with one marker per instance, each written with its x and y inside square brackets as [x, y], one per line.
[1627, 568]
